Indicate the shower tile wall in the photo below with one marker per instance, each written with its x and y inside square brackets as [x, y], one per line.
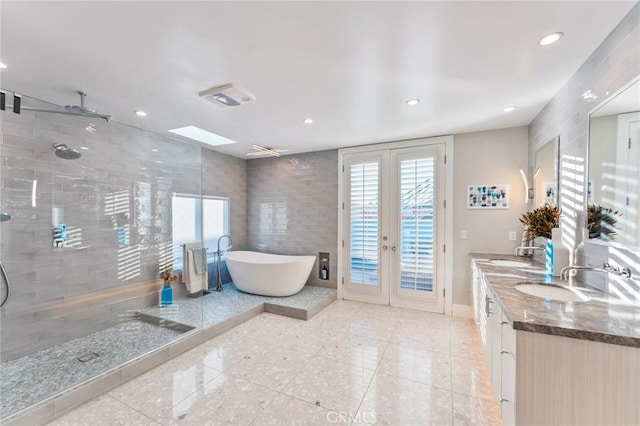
[226, 176]
[119, 187]
[613, 64]
[293, 207]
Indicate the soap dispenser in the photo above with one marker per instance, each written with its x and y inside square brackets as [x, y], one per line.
[557, 254]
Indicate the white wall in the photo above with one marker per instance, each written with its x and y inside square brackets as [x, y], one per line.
[494, 156]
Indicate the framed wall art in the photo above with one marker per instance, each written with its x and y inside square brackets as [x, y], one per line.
[494, 196]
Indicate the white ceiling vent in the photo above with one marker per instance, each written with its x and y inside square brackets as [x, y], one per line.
[227, 95]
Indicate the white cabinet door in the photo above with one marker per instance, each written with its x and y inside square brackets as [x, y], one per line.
[495, 316]
[508, 391]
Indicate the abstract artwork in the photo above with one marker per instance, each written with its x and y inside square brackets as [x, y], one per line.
[488, 196]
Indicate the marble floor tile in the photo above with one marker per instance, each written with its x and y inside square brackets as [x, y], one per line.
[469, 376]
[395, 401]
[371, 327]
[104, 411]
[434, 339]
[163, 387]
[356, 350]
[330, 384]
[308, 341]
[328, 370]
[285, 410]
[475, 411]
[273, 370]
[428, 367]
[225, 400]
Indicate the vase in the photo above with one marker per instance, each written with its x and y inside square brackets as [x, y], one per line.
[557, 254]
[166, 295]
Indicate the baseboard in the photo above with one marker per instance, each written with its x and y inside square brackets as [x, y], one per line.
[464, 311]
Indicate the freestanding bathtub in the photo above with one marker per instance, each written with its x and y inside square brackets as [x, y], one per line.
[268, 274]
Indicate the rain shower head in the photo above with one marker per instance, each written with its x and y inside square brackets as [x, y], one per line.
[4, 217]
[79, 110]
[66, 153]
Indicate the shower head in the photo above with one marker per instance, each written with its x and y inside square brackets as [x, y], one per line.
[4, 217]
[66, 153]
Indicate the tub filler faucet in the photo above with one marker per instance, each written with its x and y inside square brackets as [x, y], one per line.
[220, 253]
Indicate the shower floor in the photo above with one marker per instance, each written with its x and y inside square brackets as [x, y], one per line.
[38, 376]
[32, 378]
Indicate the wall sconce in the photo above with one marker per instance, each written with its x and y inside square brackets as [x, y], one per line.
[528, 192]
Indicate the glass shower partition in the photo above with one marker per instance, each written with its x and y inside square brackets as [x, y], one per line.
[88, 205]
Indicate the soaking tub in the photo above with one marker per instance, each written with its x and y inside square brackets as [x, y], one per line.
[268, 274]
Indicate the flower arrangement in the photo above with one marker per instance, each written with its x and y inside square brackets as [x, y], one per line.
[168, 277]
[539, 222]
[601, 222]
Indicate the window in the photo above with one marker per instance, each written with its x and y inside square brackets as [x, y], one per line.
[198, 218]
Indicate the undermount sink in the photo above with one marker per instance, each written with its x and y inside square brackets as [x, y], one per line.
[553, 292]
[512, 263]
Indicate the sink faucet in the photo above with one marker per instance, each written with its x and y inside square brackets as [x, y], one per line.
[523, 248]
[605, 267]
[220, 253]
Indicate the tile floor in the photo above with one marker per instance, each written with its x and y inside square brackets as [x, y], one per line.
[352, 363]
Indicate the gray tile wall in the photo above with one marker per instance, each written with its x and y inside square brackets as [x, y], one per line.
[58, 294]
[293, 207]
[226, 176]
[613, 64]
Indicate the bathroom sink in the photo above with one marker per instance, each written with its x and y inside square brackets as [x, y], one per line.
[553, 292]
[505, 262]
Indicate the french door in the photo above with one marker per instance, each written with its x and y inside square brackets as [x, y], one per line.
[393, 226]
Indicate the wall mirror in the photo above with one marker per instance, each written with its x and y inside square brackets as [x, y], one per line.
[613, 184]
[545, 171]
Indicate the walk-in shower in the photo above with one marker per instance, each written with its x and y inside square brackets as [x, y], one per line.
[72, 300]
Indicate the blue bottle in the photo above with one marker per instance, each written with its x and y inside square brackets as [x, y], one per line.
[166, 295]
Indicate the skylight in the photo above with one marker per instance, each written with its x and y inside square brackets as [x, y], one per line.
[200, 135]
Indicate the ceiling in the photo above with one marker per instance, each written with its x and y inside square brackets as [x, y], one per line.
[350, 66]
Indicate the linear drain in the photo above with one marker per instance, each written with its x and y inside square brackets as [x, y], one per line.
[88, 357]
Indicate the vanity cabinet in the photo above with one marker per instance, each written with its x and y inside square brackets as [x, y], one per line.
[498, 344]
[545, 379]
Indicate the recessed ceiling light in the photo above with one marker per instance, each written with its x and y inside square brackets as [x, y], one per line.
[200, 135]
[84, 147]
[551, 38]
[154, 150]
[412, 102]
[141, 113]
[308, 121]
[510, 108]
[3, 66]
[158, 161]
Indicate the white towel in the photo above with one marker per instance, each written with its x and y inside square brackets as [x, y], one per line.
[192, 280]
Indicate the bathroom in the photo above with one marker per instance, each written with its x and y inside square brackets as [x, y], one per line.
[116, 199]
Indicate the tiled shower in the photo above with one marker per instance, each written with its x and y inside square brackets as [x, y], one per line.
[115, 201]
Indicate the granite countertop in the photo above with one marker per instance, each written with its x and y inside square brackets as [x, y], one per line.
[605, 318]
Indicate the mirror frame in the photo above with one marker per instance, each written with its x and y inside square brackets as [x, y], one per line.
[583, 228]
[556, 171]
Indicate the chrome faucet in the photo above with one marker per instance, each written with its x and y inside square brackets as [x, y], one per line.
[523, 248]
[220, 253]
[605, 267]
